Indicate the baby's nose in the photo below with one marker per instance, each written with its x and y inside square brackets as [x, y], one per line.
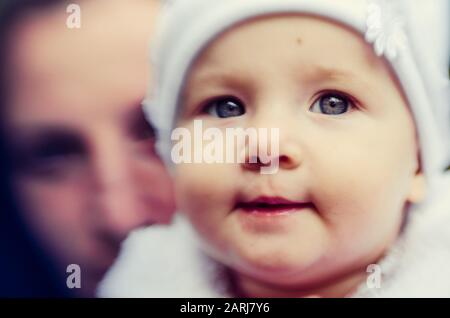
[282, 154]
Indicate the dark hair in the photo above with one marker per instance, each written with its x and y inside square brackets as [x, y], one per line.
[25, 268]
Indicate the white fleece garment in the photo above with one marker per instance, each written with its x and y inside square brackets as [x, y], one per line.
[165, 261]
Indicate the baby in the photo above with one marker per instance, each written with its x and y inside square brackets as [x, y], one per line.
[362, 110]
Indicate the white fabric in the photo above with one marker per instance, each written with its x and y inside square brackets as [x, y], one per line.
[161, 262]
[167, 261]
[421, 64]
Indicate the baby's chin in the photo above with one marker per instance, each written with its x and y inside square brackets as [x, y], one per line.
[288, 273]
[280, 260]
[300, 275]
[276, 263]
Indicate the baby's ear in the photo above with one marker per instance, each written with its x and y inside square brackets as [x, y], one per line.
[418, 187]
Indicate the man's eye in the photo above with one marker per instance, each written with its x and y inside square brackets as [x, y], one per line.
[50, 157]
[331, 104]
[225, 107]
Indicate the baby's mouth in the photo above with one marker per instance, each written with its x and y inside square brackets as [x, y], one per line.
[272, 205]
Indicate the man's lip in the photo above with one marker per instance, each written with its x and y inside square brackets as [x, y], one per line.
[267, 204]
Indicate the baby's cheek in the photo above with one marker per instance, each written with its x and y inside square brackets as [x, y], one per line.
[362, 213]
[205, 192]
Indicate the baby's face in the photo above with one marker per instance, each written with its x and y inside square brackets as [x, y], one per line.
[348, 151]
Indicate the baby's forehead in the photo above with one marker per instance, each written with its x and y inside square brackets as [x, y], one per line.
[310, 46]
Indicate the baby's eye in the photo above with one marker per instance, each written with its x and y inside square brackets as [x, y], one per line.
[331, 104]
[225, 107]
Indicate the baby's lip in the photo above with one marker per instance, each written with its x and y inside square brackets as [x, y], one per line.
[269, 204]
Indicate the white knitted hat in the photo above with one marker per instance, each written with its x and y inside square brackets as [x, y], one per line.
[412, 35]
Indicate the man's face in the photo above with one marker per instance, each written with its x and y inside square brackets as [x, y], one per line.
[347, 150]
[87, 172]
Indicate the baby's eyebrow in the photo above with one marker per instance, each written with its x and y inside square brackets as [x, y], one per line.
[319, 72]
[210, 81]
[222, 77]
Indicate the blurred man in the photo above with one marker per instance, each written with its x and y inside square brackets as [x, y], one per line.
[85, 167]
